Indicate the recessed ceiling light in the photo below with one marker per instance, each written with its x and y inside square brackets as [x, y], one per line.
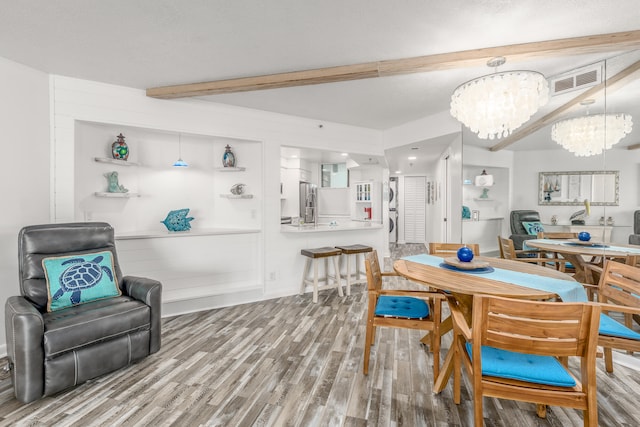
[398, 171]
[412, 157]
[344, 154]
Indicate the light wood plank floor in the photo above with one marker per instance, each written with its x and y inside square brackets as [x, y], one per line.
[289, 362]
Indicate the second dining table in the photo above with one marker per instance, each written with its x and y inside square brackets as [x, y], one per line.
[506, 278]
[575, 252]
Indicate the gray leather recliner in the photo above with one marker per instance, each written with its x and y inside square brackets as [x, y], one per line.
[52, 351]
[634, 239]
[518, 232]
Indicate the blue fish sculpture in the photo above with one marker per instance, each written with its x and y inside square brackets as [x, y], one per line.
[178, 220]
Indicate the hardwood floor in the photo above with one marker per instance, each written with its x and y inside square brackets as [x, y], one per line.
[289, 362]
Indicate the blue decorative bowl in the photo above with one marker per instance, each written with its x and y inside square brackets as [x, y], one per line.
[465, 254]
[584, 236]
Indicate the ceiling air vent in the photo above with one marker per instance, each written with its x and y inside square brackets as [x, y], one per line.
[578, 79]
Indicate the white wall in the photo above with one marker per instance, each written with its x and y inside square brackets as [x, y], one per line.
[527, 165]
[24, 120]
[79, 100]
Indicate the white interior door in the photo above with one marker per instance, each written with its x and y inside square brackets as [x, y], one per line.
[414, 209]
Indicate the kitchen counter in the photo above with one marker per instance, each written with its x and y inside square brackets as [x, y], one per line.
[341, 226]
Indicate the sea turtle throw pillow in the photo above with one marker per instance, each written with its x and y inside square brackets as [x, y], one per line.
[76, 279]
[533, 227]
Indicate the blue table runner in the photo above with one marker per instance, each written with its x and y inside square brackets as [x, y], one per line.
[608, 247]
[567, 290]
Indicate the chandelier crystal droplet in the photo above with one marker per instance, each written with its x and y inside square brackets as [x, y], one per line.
[592, 134]
[495, 105]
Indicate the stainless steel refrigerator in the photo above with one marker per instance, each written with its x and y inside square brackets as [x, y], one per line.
[308, 201]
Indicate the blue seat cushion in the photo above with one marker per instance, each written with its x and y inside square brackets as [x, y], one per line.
[403, 307]
[610, 327]
[532, 368]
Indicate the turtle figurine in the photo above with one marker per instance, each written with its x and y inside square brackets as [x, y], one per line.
[81, 275]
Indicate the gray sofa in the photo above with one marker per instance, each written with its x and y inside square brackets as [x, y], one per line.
[518, 232]
[634, 239]
[52, 351]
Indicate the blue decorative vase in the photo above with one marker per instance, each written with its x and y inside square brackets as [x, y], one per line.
[120, 149]
[584, 236]
[465, 254]
[228, 158]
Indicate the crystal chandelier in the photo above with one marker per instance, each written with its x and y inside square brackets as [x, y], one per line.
[590, 135]
[495, 105]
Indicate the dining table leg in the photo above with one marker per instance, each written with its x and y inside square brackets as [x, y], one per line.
[578, 262]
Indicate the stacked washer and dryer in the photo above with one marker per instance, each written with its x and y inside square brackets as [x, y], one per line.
[393, 209]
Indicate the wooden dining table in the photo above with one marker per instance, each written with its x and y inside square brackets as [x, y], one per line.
[579, 253]
[464, 285]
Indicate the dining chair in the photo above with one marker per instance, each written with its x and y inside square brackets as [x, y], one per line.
[618, 292]
[563, 266]
[451, 249]
[508, 251]
[399, 308]
[518, 350]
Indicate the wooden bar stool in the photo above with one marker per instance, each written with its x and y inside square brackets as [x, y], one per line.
[353, 250]
[313, 256]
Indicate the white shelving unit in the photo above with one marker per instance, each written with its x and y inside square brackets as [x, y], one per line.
[237, 169]
[115, 161]
[115, 195]
[237, 196]
[367, 195]
[234, 196]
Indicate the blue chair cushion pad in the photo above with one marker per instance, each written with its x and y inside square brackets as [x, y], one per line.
[609, 326]
[402, 307]
[531, 368]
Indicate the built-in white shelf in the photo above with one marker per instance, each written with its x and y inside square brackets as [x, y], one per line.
[482, 200]
[237, 196]
[238, 169]
[116, 195]
[115, 161]
[154, 234]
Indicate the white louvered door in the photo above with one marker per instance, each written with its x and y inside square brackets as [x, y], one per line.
[414, 209]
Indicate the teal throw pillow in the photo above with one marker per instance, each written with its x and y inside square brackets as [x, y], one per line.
[532, 227]
[76, 279]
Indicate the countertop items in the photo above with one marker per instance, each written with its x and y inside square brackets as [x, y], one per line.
[322, 227]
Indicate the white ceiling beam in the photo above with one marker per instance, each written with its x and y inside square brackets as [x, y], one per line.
[421, 64]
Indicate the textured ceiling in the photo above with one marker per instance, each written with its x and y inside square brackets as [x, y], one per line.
[149, 43]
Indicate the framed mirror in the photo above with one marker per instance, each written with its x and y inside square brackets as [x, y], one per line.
[572, 188]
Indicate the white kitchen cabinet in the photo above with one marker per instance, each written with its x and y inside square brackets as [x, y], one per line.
[367, 202]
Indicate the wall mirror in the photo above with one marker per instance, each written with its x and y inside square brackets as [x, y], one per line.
[601, 188]
[530, 150]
